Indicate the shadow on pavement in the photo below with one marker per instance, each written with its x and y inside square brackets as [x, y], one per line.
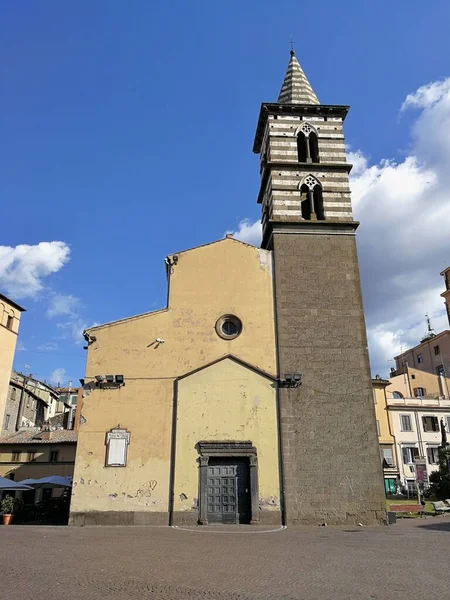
[444, 526]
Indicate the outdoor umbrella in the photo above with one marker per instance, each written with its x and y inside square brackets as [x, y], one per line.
[53, 481]
[12, 486]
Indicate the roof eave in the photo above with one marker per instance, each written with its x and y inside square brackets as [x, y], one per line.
[13, 304]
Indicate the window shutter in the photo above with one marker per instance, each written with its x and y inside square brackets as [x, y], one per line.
[424, 391]
[415, 452]
[387, 456]
[415, 392]
[405, 455]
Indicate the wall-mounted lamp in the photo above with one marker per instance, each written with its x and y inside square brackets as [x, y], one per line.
[291, 380]
[109, 381]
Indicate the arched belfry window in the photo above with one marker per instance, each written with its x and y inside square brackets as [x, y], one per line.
[311, 199]
[307, 144]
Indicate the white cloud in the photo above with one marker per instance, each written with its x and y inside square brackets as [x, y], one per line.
[48, 347]
[403, 240]
[427, 95]
[73, 329]
[248, 232]
[61, 304]
[58, 377]
[23, 267]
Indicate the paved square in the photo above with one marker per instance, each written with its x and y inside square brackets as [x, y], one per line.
[407, 560]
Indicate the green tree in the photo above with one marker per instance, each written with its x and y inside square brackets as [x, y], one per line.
[440, 480]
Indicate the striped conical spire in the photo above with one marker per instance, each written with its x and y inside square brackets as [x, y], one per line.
[296, 89]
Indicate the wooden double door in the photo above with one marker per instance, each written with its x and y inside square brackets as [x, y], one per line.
[228, 490]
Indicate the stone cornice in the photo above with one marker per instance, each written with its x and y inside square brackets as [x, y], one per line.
[268, 108]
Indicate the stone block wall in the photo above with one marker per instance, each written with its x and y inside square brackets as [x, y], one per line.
[331, 462]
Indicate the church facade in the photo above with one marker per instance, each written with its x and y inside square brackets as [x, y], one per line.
[247, 399]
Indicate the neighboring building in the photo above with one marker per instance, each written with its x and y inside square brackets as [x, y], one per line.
[415, 423]
[10, 314]
[409, 409]
[249, 398]
[30, 403]
[35, 454]
[433, 353]
[68, 396]
[414, 383]
[385, 436]
[446, 294]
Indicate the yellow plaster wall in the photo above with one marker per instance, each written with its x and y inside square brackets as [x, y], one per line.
[144, 408]
[8, 340]
[40, 466]
[382, 414]
[226, 401]
[226, 277]
[405, 384]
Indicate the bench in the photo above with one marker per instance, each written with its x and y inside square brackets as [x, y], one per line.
[407, 508]
[440, 508]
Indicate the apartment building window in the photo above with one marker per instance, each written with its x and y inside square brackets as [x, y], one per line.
[437, 350]
[9, 322]
[419, 359]
[7, 420]
[15, 456]
[397, 395]
[440, 370]
[433, 455]
[448, 424]
[419, 392]
[31, 456]
[387, 456]
[54, 455]
[430, 424]
[409, 453]
[405, 423]
[13, 393]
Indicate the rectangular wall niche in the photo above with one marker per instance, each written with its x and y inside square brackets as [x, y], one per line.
[117, 441]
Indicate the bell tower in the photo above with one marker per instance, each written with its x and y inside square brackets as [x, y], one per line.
[330, 454]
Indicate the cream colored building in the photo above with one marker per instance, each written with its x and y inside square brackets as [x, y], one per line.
[416, 409]
[386, 438]
[10, 314]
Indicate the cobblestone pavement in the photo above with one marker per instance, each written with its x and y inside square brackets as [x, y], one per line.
[407, 560]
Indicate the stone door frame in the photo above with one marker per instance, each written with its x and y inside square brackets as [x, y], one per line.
[227, 449]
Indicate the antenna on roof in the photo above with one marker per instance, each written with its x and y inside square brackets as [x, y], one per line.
[430, 332]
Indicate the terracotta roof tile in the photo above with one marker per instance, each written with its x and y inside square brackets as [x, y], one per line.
[61, 436]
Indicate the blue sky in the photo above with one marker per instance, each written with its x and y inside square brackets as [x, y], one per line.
[127, 132]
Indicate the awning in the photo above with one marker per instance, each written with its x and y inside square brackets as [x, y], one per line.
[53, 481]
[13, 486]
